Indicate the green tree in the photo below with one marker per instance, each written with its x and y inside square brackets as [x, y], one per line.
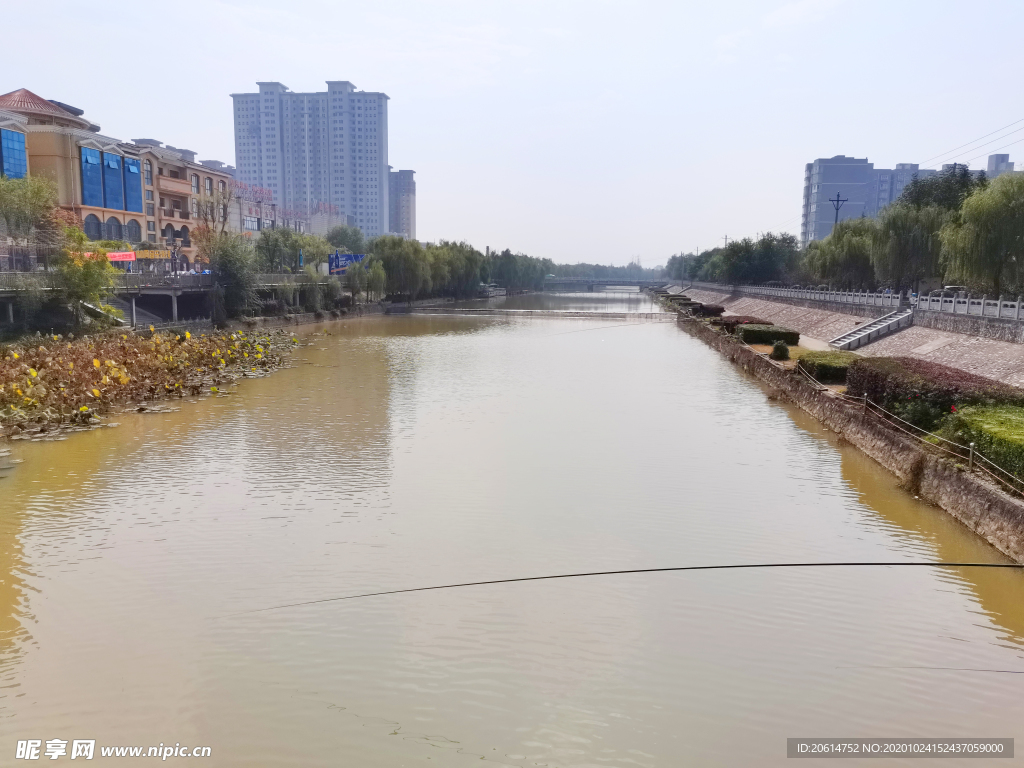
[314, 251]
[984, 244]
[83, 272]
[843, 259]
[905, 244]
[405, 264]
[26, 204]
[947, 189]
[347, 239]
[277, 250]
[234, 264]
[376, 280]
[356, 280]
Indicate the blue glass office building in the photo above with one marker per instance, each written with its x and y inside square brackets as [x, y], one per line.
[13, 158]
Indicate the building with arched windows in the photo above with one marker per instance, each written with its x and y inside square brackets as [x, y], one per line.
[151, 195]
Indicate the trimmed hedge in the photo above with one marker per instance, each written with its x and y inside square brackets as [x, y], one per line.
[997, 432]
[710, 310]
[828, 367]
[779, 351]
[767, 334]
[730, 322]
[923, 392]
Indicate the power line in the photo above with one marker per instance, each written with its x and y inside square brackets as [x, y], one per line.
[920, 564]
[954, 149]
[1018, 141]
[986, 144]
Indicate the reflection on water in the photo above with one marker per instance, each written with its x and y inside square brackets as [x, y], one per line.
[414, 450]
[612, 300]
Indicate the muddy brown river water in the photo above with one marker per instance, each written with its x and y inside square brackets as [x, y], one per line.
[417, 450]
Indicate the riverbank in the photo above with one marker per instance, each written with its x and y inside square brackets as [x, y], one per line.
[56, 383]
[979, 504]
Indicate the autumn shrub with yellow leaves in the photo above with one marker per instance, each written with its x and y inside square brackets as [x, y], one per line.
[56, 380]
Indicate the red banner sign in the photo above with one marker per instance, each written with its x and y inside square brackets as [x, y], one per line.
[121, 256]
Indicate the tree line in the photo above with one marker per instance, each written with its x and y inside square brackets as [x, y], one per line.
[956, 226]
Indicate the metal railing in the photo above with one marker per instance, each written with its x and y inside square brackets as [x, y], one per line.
[936, 301]
[864, 298]
[133, 282]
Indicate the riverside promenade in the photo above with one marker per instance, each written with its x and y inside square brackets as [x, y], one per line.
[1000, 360]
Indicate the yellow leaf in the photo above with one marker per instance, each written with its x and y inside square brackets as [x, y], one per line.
[84, 408]
[71, 366]
[188, 335]
[96, 392]
[15, 355]
[152, 329]
[96, 362]
[32, 371]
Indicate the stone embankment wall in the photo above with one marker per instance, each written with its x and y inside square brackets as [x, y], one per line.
[977, 503]
[824, 321]
[998, 329]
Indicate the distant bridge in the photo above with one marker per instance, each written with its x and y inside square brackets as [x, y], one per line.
[588, 285]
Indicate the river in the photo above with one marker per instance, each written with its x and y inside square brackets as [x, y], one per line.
[410, 451]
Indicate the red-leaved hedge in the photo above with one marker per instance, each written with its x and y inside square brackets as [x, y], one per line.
[922, 391]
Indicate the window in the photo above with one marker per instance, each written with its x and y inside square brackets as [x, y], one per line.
[92, 179]
[195, 208]
[250, 223]
[148, 167]
[133, 231]
[195, 184]
[132, 185]
[13, 160]
[150, 209]
[209, 185]
[151, 226]
[151, 238]
[93, 229]
[149, 194]
[114, 230]
[223, 186]
[113, 183]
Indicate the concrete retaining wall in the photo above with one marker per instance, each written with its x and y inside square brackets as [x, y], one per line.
[996, 328]
[857, 310]
[980, 505]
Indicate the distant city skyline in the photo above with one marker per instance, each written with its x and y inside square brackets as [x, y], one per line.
[858, 189]
[579, 132]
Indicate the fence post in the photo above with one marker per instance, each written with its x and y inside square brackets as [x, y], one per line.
[970, 460]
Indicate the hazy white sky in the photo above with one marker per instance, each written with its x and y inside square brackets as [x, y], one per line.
[594, 131]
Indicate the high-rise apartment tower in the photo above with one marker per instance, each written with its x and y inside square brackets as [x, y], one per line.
[319, 153]
[402, 199]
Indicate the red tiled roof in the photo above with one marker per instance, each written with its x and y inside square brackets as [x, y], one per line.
[27, 103]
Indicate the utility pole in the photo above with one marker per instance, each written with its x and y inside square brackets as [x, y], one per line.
[726, 241]
[837, 203]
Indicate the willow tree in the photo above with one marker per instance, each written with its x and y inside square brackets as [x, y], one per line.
[984, 245]
[906, 245]
[843, 259]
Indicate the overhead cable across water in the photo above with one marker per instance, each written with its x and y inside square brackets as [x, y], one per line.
[736, 566]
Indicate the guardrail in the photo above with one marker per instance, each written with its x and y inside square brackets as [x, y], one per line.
[134, 282]
[959, 304]
[864, 298]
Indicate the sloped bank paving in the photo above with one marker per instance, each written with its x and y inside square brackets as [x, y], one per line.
[977, 503]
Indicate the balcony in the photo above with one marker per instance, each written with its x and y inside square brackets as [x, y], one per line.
[175, 213]
[174, 186]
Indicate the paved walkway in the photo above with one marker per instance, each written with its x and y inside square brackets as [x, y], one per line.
[1000, 360]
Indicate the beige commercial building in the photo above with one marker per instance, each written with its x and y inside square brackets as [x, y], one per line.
[148, 194]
